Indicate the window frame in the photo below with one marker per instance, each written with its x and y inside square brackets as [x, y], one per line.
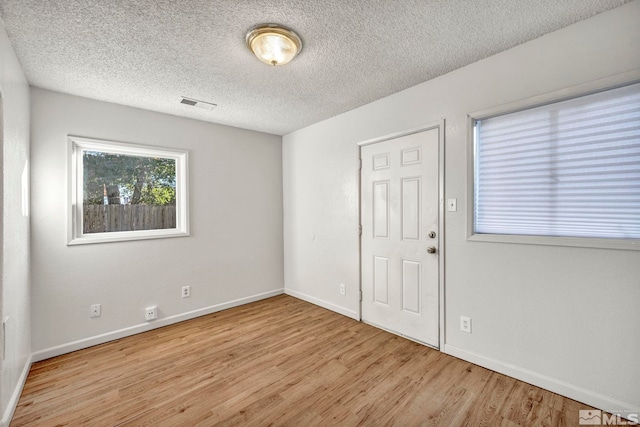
[76, 147]
[601, 85]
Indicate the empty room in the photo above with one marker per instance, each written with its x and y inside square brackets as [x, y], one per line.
[415, 213]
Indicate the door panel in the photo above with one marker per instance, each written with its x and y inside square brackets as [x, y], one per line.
[381, 280]
[399, 207]
[381, 209]
[411, 286]
[411, 209]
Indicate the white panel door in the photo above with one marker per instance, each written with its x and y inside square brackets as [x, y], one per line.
[400, 217]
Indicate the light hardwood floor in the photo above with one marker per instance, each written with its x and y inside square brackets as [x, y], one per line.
[279, 361]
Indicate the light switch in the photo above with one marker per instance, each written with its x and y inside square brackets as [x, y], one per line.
[452, 205]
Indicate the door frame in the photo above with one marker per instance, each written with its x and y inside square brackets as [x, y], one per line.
[440, 125]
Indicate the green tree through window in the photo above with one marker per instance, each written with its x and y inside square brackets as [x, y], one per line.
[121, 191]
[123, 179]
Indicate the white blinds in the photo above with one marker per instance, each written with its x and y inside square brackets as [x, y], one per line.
[571, 168]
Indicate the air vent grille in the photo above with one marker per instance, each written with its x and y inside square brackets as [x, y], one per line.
[195, 103]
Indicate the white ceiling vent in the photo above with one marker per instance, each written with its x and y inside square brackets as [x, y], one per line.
[196, 103]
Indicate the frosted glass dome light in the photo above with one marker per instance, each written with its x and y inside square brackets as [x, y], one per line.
[273, 44]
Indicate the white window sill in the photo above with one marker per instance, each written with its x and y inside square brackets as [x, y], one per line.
[123, 236]
[581, 242]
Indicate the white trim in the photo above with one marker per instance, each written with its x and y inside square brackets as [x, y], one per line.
[583, 89]
[359, 231]
[440, 125]
[76, 146]
[411, 131]
[15, 396]
[588, 397]
[599, 85]
[578, 242]
[132, 330]
[324, 304]
[441, 238]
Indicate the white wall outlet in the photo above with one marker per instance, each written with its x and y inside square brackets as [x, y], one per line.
[96, 310]
[151, 313]
[186, 291]
[452, 205]
[343, 289]
[465, 324]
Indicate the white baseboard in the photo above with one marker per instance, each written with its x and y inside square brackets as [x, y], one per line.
[324, 304]
[571, 391]
[121, 333]
[588, 397]
[15, 396]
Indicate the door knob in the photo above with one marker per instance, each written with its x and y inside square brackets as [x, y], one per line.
[431, 249]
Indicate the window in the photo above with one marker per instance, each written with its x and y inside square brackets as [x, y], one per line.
[126, 192]
[569, 169]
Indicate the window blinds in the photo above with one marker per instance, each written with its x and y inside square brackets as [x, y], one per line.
[571, 168]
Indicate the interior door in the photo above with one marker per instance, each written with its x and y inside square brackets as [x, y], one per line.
[399, 245]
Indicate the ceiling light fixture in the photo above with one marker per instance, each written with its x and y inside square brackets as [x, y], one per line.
[273, 44]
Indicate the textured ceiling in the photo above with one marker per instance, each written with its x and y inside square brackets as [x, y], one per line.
[149, 53]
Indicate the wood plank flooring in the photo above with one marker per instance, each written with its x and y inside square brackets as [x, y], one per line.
[279, 361]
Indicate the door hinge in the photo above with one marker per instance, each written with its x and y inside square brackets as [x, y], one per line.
[360, 230]
[360, 294]
[359, 163]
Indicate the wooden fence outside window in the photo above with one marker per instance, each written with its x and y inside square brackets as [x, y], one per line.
[108, 218]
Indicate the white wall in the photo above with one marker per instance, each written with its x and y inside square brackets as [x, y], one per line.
[234, 253]
[562, 318]
[14, 261]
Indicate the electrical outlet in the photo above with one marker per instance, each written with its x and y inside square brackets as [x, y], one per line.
[95, 310]
[151, 313]
[186, 291]
[465, 324]
[343, 289]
